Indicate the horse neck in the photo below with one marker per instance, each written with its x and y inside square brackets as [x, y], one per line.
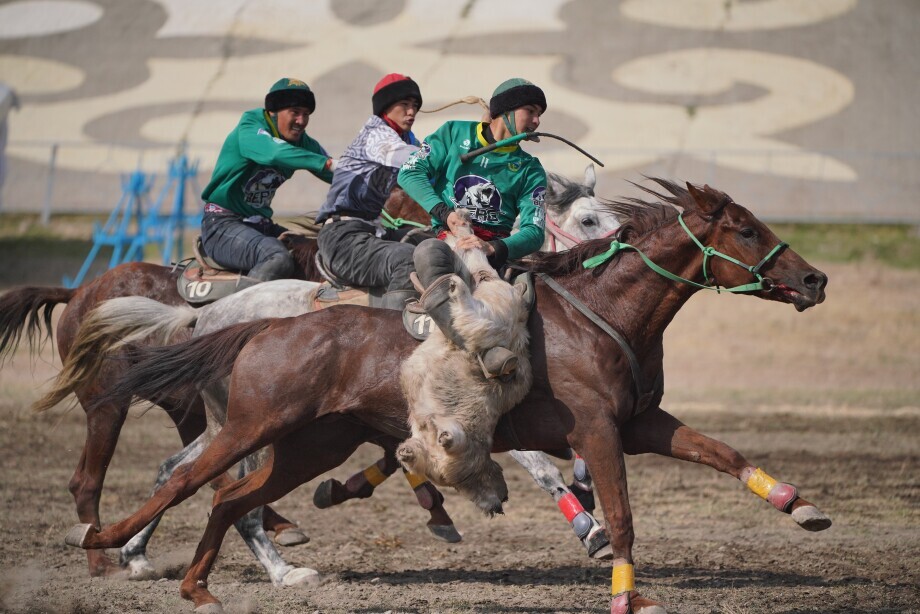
[633, 298]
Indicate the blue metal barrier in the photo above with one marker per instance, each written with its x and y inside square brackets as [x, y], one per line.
[133, 225]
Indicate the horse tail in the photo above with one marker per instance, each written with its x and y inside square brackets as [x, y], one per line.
[28, 309]
[161, 372]
[108, 328]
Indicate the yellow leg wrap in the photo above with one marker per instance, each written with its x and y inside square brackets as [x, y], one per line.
[374, 475]
[760, 483]
[623, 579]
[415, 480]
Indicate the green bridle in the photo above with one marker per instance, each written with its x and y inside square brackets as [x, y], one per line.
[762, 283]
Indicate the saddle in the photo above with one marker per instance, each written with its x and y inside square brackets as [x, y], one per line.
[204, 281]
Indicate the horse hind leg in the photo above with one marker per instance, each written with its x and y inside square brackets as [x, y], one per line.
[585, 526]
[659, 432]
[103, 426]
[361, 485]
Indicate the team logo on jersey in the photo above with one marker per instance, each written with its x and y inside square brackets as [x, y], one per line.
[466, 144]
[480, 197]
[260, 189]
[423, 151]
[514, 167]
[539, 201]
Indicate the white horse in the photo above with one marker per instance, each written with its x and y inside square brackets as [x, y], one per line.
[574, 213]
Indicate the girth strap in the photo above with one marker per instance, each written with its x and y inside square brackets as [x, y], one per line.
[596, 319]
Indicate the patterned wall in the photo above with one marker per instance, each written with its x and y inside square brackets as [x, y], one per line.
[796, 107]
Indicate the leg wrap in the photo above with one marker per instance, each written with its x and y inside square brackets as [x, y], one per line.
[581, 521]
[623, 579]
[779, 494]
[374, 476]
[582, 525]
[414, 479]
[581, 473]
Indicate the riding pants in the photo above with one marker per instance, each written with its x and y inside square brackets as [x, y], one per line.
[247, 246]
[353, 251]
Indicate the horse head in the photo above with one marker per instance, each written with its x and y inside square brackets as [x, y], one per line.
[740, 249]
[574, 213]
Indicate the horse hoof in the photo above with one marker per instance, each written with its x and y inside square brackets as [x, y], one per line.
[210, 608]
[650, 609]
[76, 535]
[322, 498]
[300, 576]
[293, 536]
[140, 568]
[811, 518]
[445, 532]
[636, 604]
[598, 546]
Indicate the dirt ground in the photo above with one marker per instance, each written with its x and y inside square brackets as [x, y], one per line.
[827, 399]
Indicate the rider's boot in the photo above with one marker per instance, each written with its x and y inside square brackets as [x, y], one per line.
[279, 265]
[435, 267]
[397, 299]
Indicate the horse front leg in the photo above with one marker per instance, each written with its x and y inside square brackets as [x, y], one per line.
[656, 431]
[548, 477]
[296, 459]
[600, 444]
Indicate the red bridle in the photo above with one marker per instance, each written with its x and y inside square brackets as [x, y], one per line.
[565, 238]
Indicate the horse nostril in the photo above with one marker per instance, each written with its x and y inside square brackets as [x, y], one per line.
[816, 280]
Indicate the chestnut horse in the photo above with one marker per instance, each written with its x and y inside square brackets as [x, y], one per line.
[27, 310]
[592, 392]
[572, 206]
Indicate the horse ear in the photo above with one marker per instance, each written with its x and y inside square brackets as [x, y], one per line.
[590, 178]
[702, 197]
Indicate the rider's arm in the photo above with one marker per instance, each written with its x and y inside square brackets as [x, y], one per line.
[420, 169]
[532, 216]
[388, 149]
[257, 144]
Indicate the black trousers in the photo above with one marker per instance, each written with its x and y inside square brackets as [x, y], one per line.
[247, 247]
[352, 252]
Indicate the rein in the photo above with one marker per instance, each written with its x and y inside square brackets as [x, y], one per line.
[762, 283]
[601, 324]
[397, 222]
[568, 240]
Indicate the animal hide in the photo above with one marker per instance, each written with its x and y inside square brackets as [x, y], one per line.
[453, 407]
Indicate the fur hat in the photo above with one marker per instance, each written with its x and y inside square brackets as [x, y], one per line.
[393, 88]
[515, 93]
[286, 93]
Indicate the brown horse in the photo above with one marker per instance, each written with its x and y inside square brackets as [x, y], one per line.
[339, 386]
[29, 309]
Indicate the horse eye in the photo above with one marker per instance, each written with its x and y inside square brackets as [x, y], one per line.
[588, 222]
[748, 233]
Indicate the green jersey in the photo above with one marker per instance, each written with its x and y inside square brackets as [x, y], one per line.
[495, 188]
[254, 161]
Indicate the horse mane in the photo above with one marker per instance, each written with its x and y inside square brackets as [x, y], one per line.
[640, 217]
[303, 250]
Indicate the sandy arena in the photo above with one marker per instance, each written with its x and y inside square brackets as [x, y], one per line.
[827, 399]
